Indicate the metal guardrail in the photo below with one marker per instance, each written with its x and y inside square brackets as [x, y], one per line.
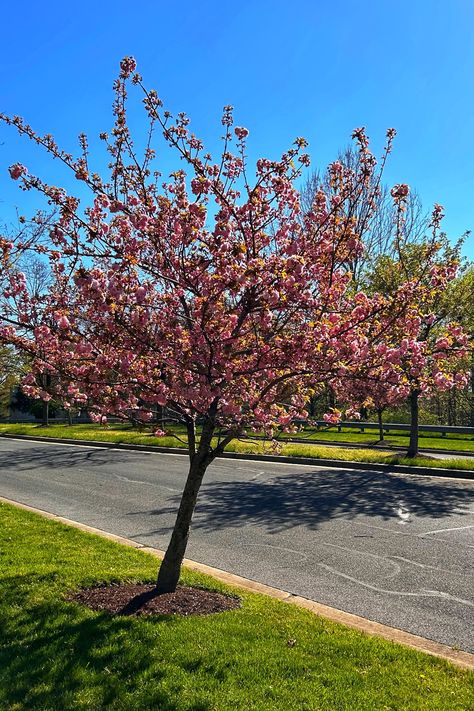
[359, 425]
[387, 426]
[37, 421]
[74, 420]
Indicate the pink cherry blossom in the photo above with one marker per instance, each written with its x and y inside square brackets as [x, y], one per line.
[17, 170]
[63, 322]
[127, 66]
[241, 132]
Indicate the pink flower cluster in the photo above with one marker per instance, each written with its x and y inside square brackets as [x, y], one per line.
[17, 170]
[220, 299]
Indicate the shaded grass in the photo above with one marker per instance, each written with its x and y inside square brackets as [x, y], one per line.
[127, 435]
[57, 655]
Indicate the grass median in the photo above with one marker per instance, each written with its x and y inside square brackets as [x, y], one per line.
[451, 442]
[125, 434]
[265, 655]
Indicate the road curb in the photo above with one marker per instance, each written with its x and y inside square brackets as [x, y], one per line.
[465, 660]
[308, 461]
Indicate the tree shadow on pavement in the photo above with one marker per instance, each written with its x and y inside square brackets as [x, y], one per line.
[41, 457]
[285, 501]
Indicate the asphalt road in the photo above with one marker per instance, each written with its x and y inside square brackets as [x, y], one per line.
[396, 549]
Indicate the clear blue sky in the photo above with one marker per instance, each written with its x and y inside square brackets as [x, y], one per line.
[311, 68]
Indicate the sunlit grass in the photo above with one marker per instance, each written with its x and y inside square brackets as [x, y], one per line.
[56, 655]
[369, 456]
[117, 433]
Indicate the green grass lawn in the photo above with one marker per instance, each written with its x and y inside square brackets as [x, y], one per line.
[126, 434]
[58, 656]
[459, 442]
[368, 456]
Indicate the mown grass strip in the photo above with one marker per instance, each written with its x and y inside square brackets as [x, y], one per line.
[454, 442]
[350, 455]
[124, 434]
[57, 655]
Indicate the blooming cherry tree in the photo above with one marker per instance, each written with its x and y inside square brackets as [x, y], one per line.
[209, 292]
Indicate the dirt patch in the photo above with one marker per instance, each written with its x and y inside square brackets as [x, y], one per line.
[141, 599]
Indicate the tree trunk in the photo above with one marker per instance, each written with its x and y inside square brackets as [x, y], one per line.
[472, 395]
[46, 382]
[199, 460]
[45, 414]
[160, 416]
[331, 398]
[414, 416]
[438, 410]
[168, 574]
[450, 409]
[380, 422]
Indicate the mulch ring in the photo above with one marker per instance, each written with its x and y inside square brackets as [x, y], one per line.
[141, 599]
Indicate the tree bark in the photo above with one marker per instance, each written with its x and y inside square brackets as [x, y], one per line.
[380, 422]
[199, 460]
[46, 382]
[414, 417]
[472, 394]
[450, 409]
[45, 414]
[168, 574]
[331, 398]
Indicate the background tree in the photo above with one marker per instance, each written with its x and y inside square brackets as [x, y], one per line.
[30, 236]
[459, 305]
[11, 370]
[374, 214]
[428, 357]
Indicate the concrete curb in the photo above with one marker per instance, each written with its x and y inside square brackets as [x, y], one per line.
[465, 660]
[308, 461]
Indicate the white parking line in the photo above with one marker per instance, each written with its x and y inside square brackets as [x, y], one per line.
[396, 570]
[444, 530]
[423, 565]
[400, 593]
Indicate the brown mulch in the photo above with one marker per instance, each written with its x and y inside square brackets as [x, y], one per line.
[141, 599]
